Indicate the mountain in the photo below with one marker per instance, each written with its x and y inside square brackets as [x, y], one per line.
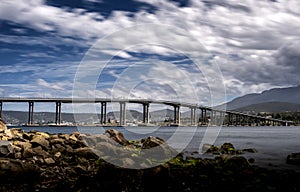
[289, 95]
[272, 107]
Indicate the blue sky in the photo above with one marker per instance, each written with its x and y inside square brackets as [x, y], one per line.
[194, 50]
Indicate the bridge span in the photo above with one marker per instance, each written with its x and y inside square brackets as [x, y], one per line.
[207, 116]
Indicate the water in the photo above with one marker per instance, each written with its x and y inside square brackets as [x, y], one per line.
[273, 143]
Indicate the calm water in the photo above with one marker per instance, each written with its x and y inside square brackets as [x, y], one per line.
[273, 143]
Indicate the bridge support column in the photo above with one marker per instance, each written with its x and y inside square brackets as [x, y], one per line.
[58, 113]
[193, 116]
[229, 119]
[146, 113]
[122, 114]
[1, 104]
[103, 113]
[30, 112]
[177, 115]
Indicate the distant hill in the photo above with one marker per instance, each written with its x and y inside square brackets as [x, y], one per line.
[21, 117]
[289, 95]
[272, 107]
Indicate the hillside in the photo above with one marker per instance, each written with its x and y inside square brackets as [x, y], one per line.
[272, 107]
[289, 95]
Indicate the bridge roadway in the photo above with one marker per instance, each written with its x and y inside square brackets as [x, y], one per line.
[216, 115]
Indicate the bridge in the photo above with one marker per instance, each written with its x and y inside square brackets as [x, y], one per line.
[208, 114]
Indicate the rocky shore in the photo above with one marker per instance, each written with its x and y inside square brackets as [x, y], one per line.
[38, 161]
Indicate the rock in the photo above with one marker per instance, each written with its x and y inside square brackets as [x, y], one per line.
[49, 161]
[38, 151]
[57, 155]
[237, 162]
[85, 152]
[28, 153]
[10, 165]
[205, 147]
[293, 158]
[227, 148]
[2, 125]
[117, 136]
[250, 150]
[4, 151]
[23, 145]
[151, 142]
[40, 140]
[213, 149]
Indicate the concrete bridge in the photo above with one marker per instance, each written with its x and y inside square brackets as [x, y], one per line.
[208, 114]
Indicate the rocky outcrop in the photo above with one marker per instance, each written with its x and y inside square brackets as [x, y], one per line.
[37, 161]
[226, 148]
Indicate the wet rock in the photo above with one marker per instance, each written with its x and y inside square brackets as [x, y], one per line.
[250, 150]
[213, 149]
[2, 125]
[117, 136]
[293, 158]
[227, 148]
[237, 163]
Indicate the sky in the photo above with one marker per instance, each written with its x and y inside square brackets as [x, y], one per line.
[205, 52]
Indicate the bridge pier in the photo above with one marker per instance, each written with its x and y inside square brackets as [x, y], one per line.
[177, 114]
[30, 112]
[122, 114]
[103, 113]
[58, 113]
[1, 104]
[229, 120]
[193, 116]
[146, 113]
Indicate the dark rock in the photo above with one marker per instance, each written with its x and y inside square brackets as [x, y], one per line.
[85, 152]
[227, 148]
[213, 149]
[237, 162]
[117, 136]
[151, 142]
[293, 158]
[250, 150]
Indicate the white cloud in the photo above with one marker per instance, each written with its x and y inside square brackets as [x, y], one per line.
[243, 37]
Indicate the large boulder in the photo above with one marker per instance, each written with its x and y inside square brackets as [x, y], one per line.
[2, 125]
[117, 136]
